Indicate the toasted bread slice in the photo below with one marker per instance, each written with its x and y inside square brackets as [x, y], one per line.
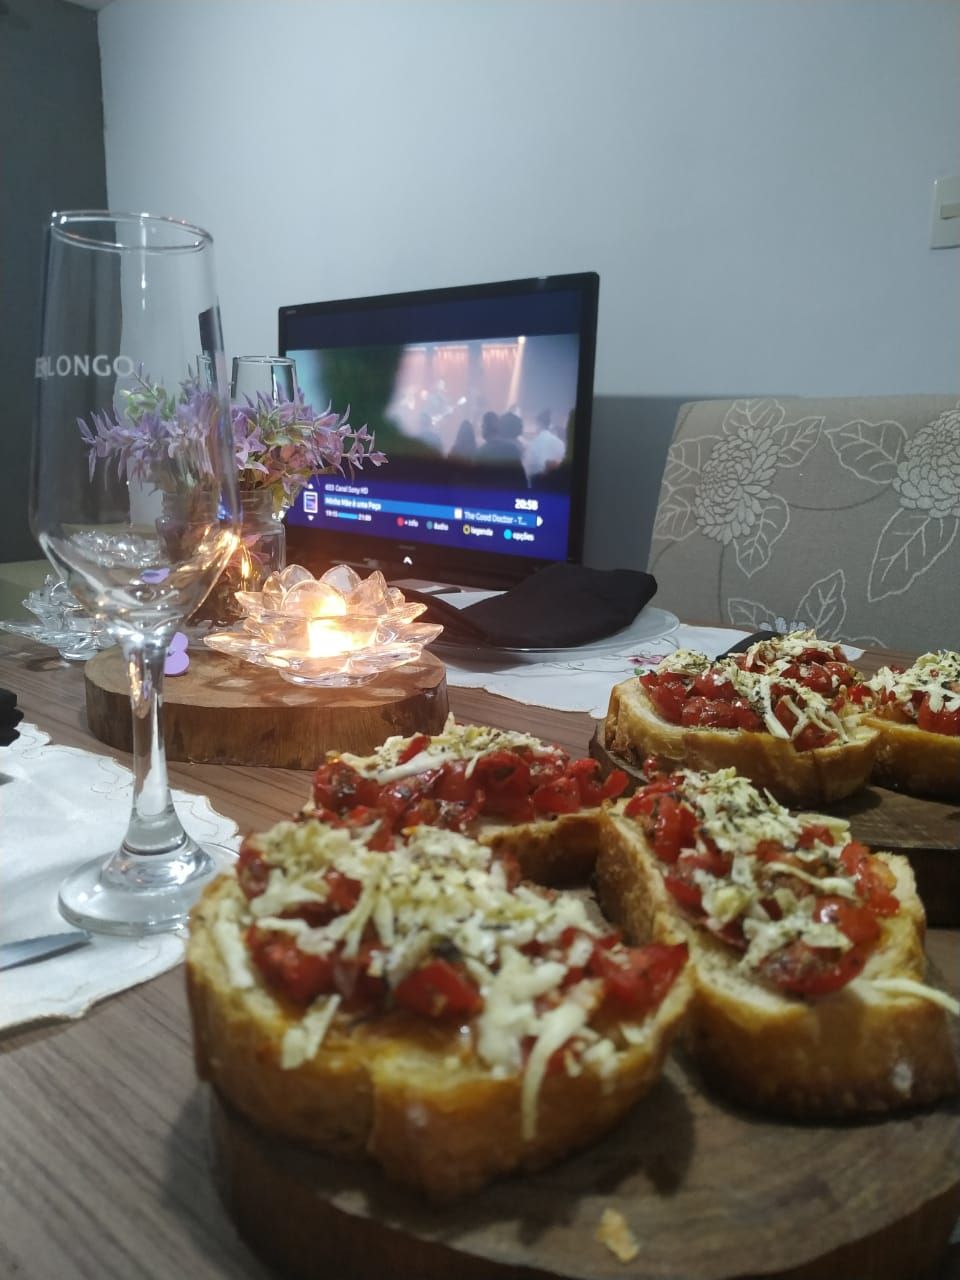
[428, 1098]
[633, 730]
[918, 760]
[877, 1044]
[914, 760]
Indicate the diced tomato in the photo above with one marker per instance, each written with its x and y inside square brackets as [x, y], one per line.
[381, 840]
[813, 832]
[714, 686]
[811, 738]
[592, 788]
[252, 871]
[337, 786]
[718, 714]
[802, 970]
[548, 768]
[674, 828]
[562, 796]
[681, 880]
[638, 977]
[783, 713]
[667, 695]
[343, 895]
[875, 880]
[453, 783]
[505, 779]
[287, 969]
[359, 988]
[856, 922]
[397, 797]
[817, 678]
[413, 747]
[439, 989]
[747, 718]
[943, 721]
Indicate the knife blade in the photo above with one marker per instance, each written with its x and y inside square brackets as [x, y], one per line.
[50, 944]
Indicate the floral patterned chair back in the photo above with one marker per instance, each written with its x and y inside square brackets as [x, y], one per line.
[836, 514]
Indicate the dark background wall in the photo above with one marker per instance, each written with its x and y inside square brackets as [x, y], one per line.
[51, 157]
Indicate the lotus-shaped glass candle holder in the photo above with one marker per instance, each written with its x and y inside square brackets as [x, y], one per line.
[62, 622]
[340, 629]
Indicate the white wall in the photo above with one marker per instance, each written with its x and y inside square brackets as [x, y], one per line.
[751, 178]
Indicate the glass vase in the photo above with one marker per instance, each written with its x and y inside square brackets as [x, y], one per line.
[262, 550]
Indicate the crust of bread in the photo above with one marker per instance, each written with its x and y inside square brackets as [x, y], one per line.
[912, 760]
[803, 779]
[408, 1093]
[851, 1053]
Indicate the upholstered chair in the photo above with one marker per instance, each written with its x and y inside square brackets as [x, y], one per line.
[837, 514]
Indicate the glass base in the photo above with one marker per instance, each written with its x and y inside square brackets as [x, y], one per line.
[133, 895]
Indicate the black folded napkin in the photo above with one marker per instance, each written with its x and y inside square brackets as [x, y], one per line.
[558, 607]
[743, 645]
[9, 717]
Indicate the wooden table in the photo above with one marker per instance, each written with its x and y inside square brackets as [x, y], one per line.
[103, 1150]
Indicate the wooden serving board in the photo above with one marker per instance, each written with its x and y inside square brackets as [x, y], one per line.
[225, 711]
[925, 831]
[709, 1192]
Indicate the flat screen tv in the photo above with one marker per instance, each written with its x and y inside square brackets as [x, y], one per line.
[480, 396]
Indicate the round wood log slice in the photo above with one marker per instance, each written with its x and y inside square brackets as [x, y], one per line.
[708, 1193]
[926, 832]
[225, 711]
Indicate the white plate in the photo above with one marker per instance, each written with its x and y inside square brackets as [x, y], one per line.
[649, 624]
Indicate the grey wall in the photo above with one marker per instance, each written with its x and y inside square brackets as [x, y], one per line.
[51, 157]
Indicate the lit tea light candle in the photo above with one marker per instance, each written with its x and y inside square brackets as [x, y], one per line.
[335, 630]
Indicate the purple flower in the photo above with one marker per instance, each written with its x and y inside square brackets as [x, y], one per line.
[161, 439]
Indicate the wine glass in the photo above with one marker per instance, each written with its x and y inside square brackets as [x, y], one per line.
[274, 377]
[133, 499]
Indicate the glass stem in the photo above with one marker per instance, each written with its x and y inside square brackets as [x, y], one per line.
[154, 827]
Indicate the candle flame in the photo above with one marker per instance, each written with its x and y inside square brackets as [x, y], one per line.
[325, 638]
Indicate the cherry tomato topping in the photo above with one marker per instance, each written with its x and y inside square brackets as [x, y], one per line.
[673, 828]
[562, 796]
[252, 871]
[288, 970]
[439, 989]
[338, 787]
[943, 721]
[714, 685]
[638, 977]
[811, 971]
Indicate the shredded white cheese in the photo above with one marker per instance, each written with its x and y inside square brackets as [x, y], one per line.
[440, 891]
[455, 742]
[304, 1038]
[908, 987]
[937, 675]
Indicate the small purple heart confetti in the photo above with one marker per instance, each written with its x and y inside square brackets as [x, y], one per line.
[177, 659]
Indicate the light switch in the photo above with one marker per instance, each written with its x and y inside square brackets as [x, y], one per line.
[945, 228]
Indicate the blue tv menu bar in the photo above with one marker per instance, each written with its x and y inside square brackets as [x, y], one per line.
[511, 522]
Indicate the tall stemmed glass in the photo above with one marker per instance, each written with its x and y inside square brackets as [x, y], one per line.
[272, 376]
[133, 499]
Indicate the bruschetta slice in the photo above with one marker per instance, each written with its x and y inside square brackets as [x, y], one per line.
[917, 715]
[527, 798]
[418, 1007]
[787, 714]
[807, 949]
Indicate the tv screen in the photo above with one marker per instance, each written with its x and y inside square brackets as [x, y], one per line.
[480, 396]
